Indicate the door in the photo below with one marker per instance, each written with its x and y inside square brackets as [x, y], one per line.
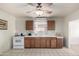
[48, 42]
[43, 42]
[51, 24]
[53, 42]
[59, 42]
[32, 42]
[37, 42]
[29, 25]
[27, 42]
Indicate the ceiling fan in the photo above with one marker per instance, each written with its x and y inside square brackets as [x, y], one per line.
[39, 10]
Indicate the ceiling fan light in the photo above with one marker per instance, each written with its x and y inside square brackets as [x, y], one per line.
[39, 12]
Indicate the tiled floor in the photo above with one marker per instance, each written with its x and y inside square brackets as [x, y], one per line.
[42, 52]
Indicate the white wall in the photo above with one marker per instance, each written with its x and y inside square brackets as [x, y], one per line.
[69, 18]
[74, 32]
[20, 24]
[5, 35]
[59, 24]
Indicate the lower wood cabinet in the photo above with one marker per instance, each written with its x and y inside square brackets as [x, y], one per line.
[43, 42]
[27, 43]
[37, 43]
[59, 42]
[48, 41]
[53, 43]
[32, 43]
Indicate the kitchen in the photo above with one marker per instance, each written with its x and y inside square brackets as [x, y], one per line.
[40, 33]
[38, 28]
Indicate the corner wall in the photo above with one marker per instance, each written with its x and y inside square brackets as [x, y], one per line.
[71, 17]
[6, 35]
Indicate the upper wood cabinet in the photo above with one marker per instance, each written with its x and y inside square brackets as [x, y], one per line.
[51, 25]
[29, 25]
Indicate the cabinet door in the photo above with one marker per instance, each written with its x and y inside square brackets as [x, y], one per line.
[59, 42]
[51, 25]
[48, 43]
[43, 42]
[29, 25]
[32, 42]
[53, 42]
[37, 43]
[27, 42]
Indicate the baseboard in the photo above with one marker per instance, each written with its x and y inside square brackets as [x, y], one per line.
[74, 45]
[2, 51]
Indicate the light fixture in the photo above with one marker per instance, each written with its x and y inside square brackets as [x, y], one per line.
[41, 9]
[39, 12]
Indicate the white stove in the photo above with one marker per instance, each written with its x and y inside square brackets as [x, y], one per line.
[18, 42]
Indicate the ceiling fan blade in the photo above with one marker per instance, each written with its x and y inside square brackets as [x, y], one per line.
[47, 12]
[29, 11]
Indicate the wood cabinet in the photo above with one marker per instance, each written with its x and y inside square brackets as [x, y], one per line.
[59, 42]
[43, 42]
[53, 42]
[48, 45]
[27, 42]
[37, 43]
[51, 25]
[29, 25]
[32, 43]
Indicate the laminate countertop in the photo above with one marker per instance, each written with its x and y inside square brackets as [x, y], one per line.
[46, 36]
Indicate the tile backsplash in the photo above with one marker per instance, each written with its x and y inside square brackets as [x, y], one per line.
[40, 25]
[41, 33]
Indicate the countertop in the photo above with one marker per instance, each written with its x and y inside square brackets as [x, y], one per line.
[42, 36]
[46, 36]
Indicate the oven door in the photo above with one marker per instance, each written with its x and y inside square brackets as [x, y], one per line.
[18, 41]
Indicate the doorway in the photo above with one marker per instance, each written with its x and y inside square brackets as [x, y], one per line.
[73, 33]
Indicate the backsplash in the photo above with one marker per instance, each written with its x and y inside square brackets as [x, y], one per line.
[40, 24]
[41, 33]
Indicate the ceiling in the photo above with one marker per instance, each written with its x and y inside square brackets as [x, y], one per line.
[22, 9]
